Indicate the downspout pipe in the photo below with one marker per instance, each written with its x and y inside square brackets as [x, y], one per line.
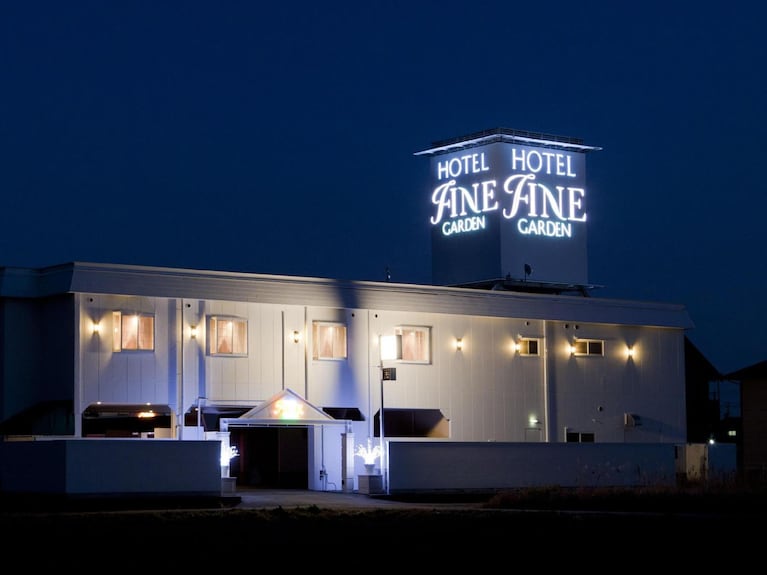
[180, 371]
[546, 388]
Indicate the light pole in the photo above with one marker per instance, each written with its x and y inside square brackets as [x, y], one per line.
[381, 419]
[389, 347]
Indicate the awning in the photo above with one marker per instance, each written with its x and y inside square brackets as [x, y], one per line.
[350, 413]
[400, 422]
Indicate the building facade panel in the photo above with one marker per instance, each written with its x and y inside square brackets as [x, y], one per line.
[492, 376]
[489, 389]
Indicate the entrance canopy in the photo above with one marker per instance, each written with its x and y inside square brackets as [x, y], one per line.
[284, 408]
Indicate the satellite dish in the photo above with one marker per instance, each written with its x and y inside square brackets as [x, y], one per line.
[528, 270]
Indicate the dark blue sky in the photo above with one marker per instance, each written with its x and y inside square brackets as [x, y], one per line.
[280, 138]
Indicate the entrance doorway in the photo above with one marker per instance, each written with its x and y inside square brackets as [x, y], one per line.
[271, 457]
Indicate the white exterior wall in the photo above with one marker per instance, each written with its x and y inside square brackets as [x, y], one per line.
[339, 383]
[131, 377]
[591, 394]
[486, 390]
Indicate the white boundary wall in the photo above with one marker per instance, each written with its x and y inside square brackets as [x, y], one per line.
[487, 466]
[111, 466]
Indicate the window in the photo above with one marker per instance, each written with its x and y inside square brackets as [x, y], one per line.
[228, 336]
[132, 332]
[416, 344]
[575, 437]
[529, 346]
[328, 340]
[589, 347]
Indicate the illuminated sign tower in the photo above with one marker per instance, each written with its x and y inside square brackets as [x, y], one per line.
[509, 206]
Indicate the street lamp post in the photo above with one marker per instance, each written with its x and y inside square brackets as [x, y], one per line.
[384, 459]
[389, 347]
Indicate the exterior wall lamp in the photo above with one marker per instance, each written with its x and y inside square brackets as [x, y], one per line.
[458, 344]
[573, 345]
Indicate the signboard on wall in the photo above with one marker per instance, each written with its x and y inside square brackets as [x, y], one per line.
[505, 204]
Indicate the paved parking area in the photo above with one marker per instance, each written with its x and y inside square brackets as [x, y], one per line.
[271, 498]
[240, 498]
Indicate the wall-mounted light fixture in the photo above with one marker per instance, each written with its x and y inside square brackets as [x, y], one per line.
[458, 344]
[629, 351]
[296, 336]
[193, 332]
[96, 327]
[516, 346]
[574, 345]
[533, 420]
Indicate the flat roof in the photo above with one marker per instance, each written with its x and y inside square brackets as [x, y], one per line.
[148, 281]
[506, 135]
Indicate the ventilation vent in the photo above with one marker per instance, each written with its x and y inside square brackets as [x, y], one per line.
[631, 420]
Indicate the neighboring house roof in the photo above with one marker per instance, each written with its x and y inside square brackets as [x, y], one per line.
[695, 360]
[755, 371]
[148, 281]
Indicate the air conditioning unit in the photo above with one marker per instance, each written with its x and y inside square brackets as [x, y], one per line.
[631, 420]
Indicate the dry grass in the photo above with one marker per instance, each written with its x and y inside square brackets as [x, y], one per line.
[702, 498]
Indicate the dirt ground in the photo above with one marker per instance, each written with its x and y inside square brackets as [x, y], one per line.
[693, 534]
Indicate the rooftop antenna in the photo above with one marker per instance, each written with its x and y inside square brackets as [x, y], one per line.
[528, 271]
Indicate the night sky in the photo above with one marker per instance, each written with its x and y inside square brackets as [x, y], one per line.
[279, 138]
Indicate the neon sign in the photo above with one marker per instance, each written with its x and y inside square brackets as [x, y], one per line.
[539, 189]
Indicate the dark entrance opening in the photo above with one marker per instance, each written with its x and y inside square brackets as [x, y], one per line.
[271, 457]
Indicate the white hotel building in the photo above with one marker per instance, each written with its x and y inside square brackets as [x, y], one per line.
[503, 364]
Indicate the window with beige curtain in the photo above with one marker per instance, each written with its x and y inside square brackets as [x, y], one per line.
[228, 336]
[416, 343]
[132, 331]
[328, 340]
